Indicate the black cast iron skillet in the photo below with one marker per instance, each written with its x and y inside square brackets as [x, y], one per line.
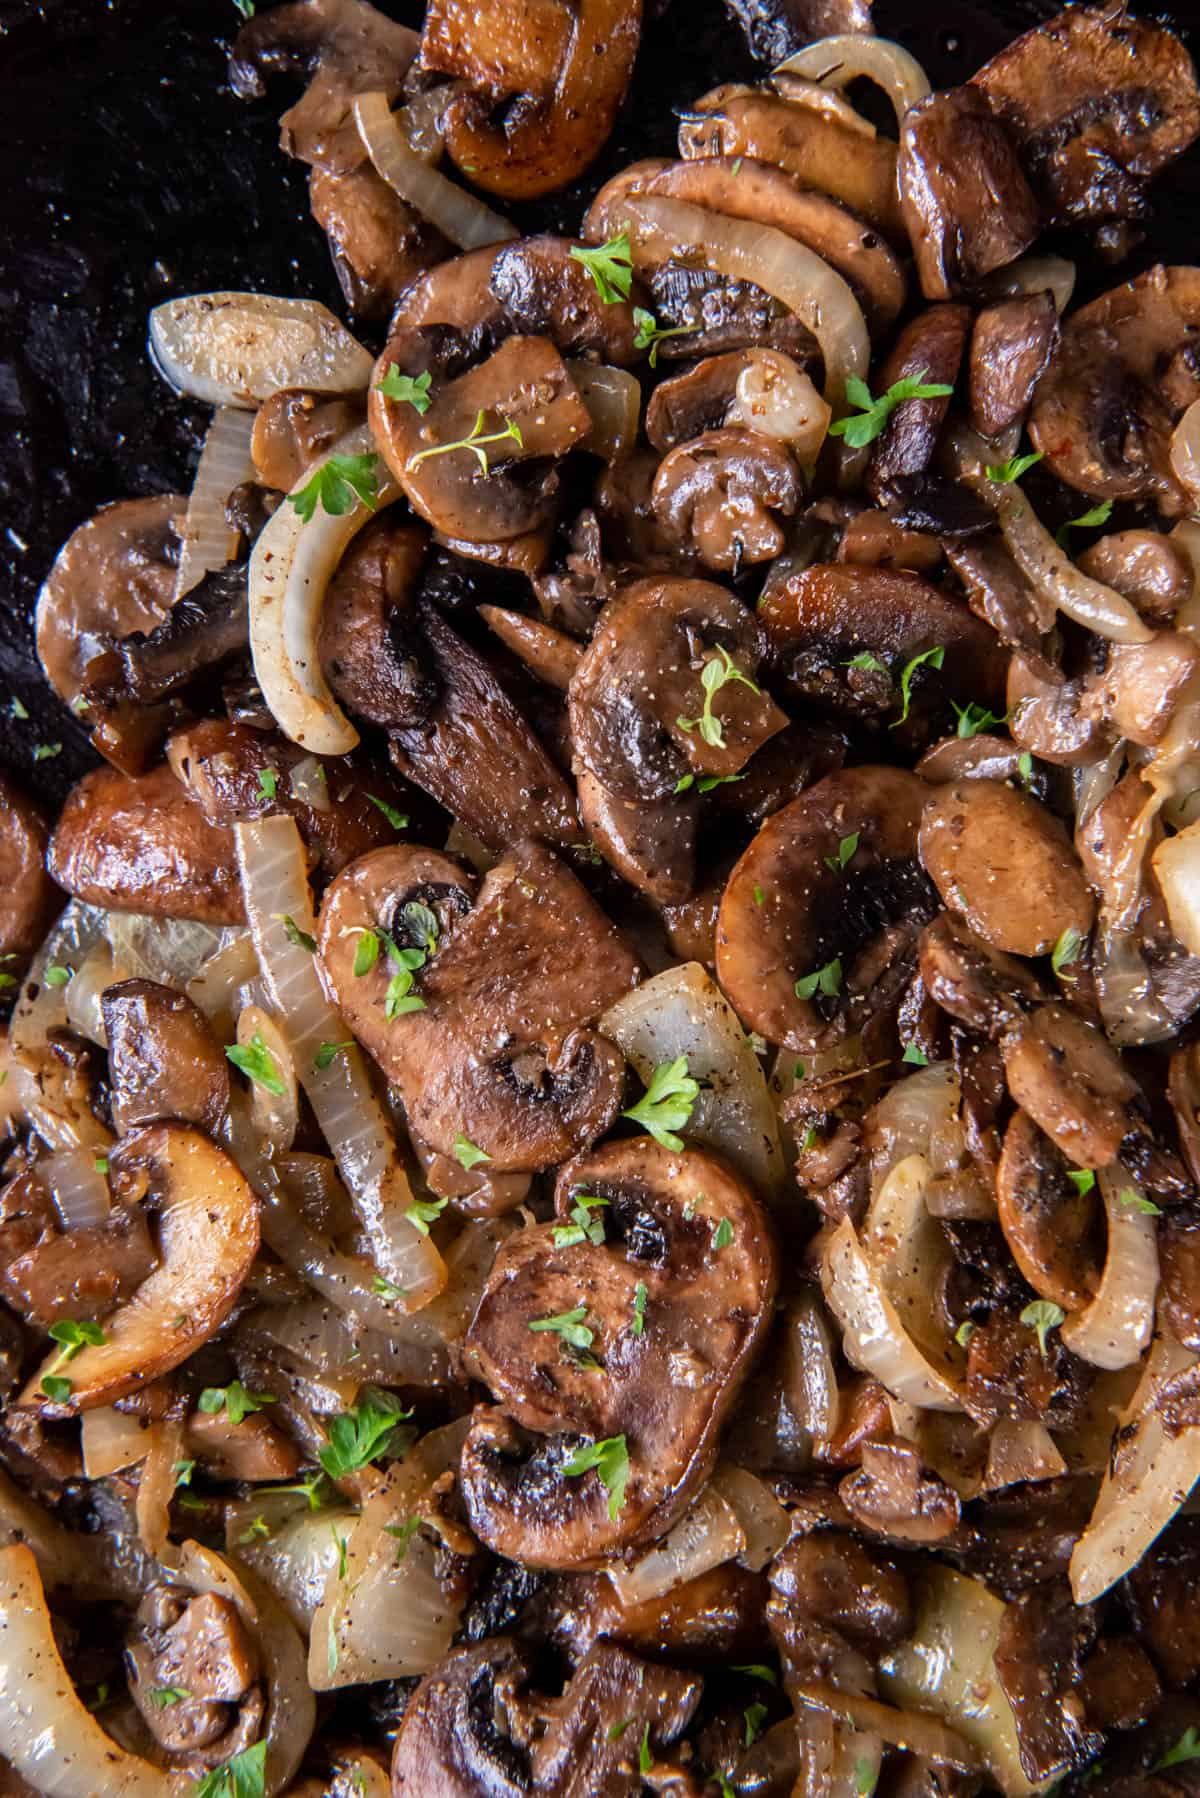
[129, 173]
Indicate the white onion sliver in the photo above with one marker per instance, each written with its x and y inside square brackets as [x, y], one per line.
[112, 1439]
[1034, 274]
[763, 1519]
[457, 214]
[77, 1186]
[208, 541]
[837, 61]
[705, 1537]
[1115, 1328]
[1048, 568]
[83, 994]
[290, 570]
[1176, 863]
[353, 1122]
[237, 349]
[810, 1373]
[309, 783]
[613, 397]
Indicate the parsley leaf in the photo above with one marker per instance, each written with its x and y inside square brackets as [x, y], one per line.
[610, 1458]
[972, 719]
[326, 1053]
[1082, 1179]
[914, 1057]
[583, 1227]
[1134, 1200]
[645, 1758]
[256, 1531]
[615, 1731]
[827, 980]
[397, 820]
[236, 1402]
[964, 1333]
[387, 1289]
[666, 1105]
[935, 657]
[242, 1777]
[338, 484]
[1086, 521]
[466, 1153]
[874, 413]
[638, 1324]
[268, 782]
[56, 1387]
[256, 1061]
[722, 1236]
[300, 939]
[1043, 1316]
[423, 1212]
[366, 953]
[18, 710]
[570, 1326]
[756, 1670]
[474, 441]
[1014, 468]
[717, 672]
[362, 1435]
[403, 1533]
[1065, 951]
[755, 1715]
[163, 1697]
[46, 752]
[1187, 1748]
[406, 389]
[1025, 767]
[650, 333]
[610, 266]
[846, 849]
[866, 1778]
[867, 662]
[56, 976]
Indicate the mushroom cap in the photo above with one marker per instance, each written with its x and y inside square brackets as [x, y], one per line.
[1011, 343]
[547, 292]
[1055, 1232]
[500, 1054]
[1069, 1079]
[667, 1390]
[27, 895]
[785, 914]
[719, 495]
[163, 1060]
[369, 647]
[930, 347]
[650, 842]
[1103, 413]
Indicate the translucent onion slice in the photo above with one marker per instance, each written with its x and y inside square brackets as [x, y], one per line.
[309, 783]
[237, 349]
[224, 464]
[112, 1439]
[1185, 450]
[290, 570]
[299, 1551]
[1150, 1476]
[683, 1012]
[168, 950]
[457, 214]
[351, 1118]
[84, 990]
[660, 229]
[275, 1116]
[705, 1537]
[1115, 1328]
[837, 61]
[77, 1186]
[156, 1488]
[1035, 274]
[1176, 863]
[774, 396]
[763, 1519]
[1020, 1449]
[613, 397]
[913, 1730]
[810, 1371]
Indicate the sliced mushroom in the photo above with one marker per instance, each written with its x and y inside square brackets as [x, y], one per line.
[49, 1273]
[821, 149]
[719, 495]
[1099, 103]
[1011, 343]
[787, 916]
[1145, 567]
[1000, 594]
[1162, 1592]
[1055, 1231]
[980, 986]
[207, 627]
[476, 754]
[775, 28]
[378, 243]
[843, 635]
[547, 292]
[687, 1230]
[369, 644]
[1044, 714]
[1003, 862]
[208, 1238]
[476, 1728]
[967, 205]
[983, 757]
[293, 429]
[140, 843]
[457, 293]
[931, 348]
[873, 539]
[562, 73]
[1123, 375]
[162, 1058]
[650, 842]
[500, 1053]
[200, 1651]
[1141, 685]
[1044, 1637]
[757, 390]
[27, 895]
[1072, 1083]
[894, 1496]
[838, 1581]
[551, 654]
[641, 717]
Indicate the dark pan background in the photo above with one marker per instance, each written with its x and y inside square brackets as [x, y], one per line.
[129, 173]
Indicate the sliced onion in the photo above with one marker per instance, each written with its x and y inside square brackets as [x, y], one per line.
[774, 396]
[156, 1488]
[1035, 274]
[65, 1561]
[299, 1551]
[613, 397]
[1185, 450]
[84, 991]
[308, 783]
[909, 1248]
[1115, 1328]
[113, 1439]
[217, 988]
[458, 215]
[353, 1122]
[168, 950]
[660, 229]
[208, 541]
[857, 1282]
[40, 1007]
[764, 1522]
[913, 1730]
[78, 1188]
[683, 1012]
[810, 1373]
[705, 1537]
[837, 61]
[919, 1115]
[337, 1344]
[290, 569]
[1020, 1449]
[1151, 1475]
[947, 1666]
[237, 349]
[1176, 864]
[274, 1115]
[45, 1732]
[420, 119]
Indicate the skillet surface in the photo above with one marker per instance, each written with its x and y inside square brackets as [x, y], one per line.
[131, 173]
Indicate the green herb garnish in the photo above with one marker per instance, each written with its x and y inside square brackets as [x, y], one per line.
[474, 442]
[610, 266]
[236, 1402]
[873, 414]
[717, 672]
[256, 1061]
[666, 1105]
[338, 485]
[410, 390]
[610, 1458]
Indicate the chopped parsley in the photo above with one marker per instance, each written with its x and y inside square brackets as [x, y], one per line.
[338, 485]
[666, 1105]
[570, 1326]
[387, 1290]
[846, 850]
[268, 782]
[1086, 521]
[256, 1531]
[163, 1697]
[362, 1435]
[934, 657]
[583, 1226]
[324, 1057]
[423, 1212]
[827, 980]
[865, 661]
[299, 939]
[410, 390]
[914, 1057]
[46, 752]
[242, 1777]
[1065, 951]
[256, 1061]
[72, 1336]
[873, 414]
[18, 710]
[397, 820]
[755, 1716]
[645, 1757]
[650, 333]
[1014, 468]
[611, 267]
[467, 1154]
[1043, 1316]
[638, 1324]
[475, 441]
[57, 976]
[1082, 1179]
[756, 1670]
[1134, 1201]
[236, 1402]
[972, 719]
[1187, 1748]
[610, 1458]
[718, 672]
[722, 1236]
[403, 1534]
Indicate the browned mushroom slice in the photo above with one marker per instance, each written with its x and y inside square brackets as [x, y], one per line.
[295, 428]
[227, 770]
[27, 894]
[1044, 713]
[369, 647]
[836, 1580]
[47, 1273]
[1183, 1090]
[378, 243]
[1055, 1231]
[967, 204]
[140, 843]
[114, 575]
[873, 539]
[976, 758]
[999, 593]
[1011, 344]
[1072, 1083]
[1179, 1271]
[1145, 567]
[892, 1495]
[819, 923]
[476, 754]
[740, 187]
[980, 986]
[547, 292]
[199, 1651]
[666, 688]
[457, 293]
[755, 389]
[930, 347]
[1044, 1637]
[775, 28]
[499, 1053]
[689, 1234]
[1140, 686]
[162, 1058]
[564, 72]
[720, 495]
[1003, 862]
[531, 411]
[1122, 377]
[843, 636]
[853, 166]
[650, 842]
[551, 654]
[476, 1725]
[1099, 103]
[712, 1620]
